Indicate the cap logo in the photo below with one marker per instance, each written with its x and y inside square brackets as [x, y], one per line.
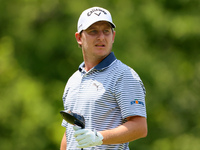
[98, 14]
[95, 11]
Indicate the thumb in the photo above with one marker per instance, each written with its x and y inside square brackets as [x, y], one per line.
[76, 128]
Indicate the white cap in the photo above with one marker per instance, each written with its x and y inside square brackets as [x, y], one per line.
[93, 15]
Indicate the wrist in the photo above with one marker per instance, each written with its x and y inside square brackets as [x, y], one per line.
[99, 137]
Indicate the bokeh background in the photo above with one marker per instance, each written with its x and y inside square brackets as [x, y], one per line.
[160, 39]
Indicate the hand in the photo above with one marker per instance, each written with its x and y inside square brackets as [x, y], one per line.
[87, 137]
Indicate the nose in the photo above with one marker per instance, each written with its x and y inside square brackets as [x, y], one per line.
[101, 35]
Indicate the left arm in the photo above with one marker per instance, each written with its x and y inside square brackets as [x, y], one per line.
[134, 128]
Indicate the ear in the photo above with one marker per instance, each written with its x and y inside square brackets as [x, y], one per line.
[78, 38]
[113, 38]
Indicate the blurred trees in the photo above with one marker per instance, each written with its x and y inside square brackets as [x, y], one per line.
[38, 53]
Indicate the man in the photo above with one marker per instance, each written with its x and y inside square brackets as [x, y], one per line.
[109, 94]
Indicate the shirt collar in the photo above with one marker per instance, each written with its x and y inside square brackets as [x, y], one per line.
[103, 64]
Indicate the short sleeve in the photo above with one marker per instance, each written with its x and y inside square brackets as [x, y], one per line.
[130, 94]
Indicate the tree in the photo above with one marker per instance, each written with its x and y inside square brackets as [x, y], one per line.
[38, 53]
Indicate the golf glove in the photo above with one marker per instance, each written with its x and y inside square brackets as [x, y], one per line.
[87, 137]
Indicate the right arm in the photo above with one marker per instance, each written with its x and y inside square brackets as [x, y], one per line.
[63, 144]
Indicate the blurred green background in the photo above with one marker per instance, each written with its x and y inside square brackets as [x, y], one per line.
[38, 53]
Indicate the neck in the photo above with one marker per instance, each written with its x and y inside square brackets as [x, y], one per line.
[92, 60]
[89, 64]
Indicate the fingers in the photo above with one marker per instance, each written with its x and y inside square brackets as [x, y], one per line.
[81, 137]
[83, 141]
[80, 132]
[83, 146]
[84, 137]
[87, 137]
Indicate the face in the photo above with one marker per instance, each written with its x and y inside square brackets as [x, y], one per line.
[96, 41]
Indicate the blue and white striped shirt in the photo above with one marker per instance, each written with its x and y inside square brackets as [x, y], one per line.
[106, 95]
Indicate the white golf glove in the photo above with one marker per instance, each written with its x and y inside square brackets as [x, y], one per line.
[87, 137]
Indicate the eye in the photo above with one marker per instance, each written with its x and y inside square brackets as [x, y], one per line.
[106, 31]
[93, 31]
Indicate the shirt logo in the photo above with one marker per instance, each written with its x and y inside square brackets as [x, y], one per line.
[96, 85]
[137, 102]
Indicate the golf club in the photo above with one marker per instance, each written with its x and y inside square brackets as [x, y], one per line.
[73, 118]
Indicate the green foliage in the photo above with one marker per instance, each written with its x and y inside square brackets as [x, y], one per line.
[38, 53]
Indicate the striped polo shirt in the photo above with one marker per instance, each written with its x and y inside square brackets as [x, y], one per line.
[105, 95]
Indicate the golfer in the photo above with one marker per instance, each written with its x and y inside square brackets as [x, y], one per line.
[109, 94]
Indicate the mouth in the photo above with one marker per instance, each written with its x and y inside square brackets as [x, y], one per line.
[100, 45]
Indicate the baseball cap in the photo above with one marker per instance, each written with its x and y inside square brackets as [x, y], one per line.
[93, 15]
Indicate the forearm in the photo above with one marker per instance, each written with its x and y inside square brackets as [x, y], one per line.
[134, 128]
[63, 144]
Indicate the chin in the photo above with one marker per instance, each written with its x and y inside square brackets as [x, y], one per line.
[103, 53]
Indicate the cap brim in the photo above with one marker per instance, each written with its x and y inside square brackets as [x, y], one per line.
[89, 24]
